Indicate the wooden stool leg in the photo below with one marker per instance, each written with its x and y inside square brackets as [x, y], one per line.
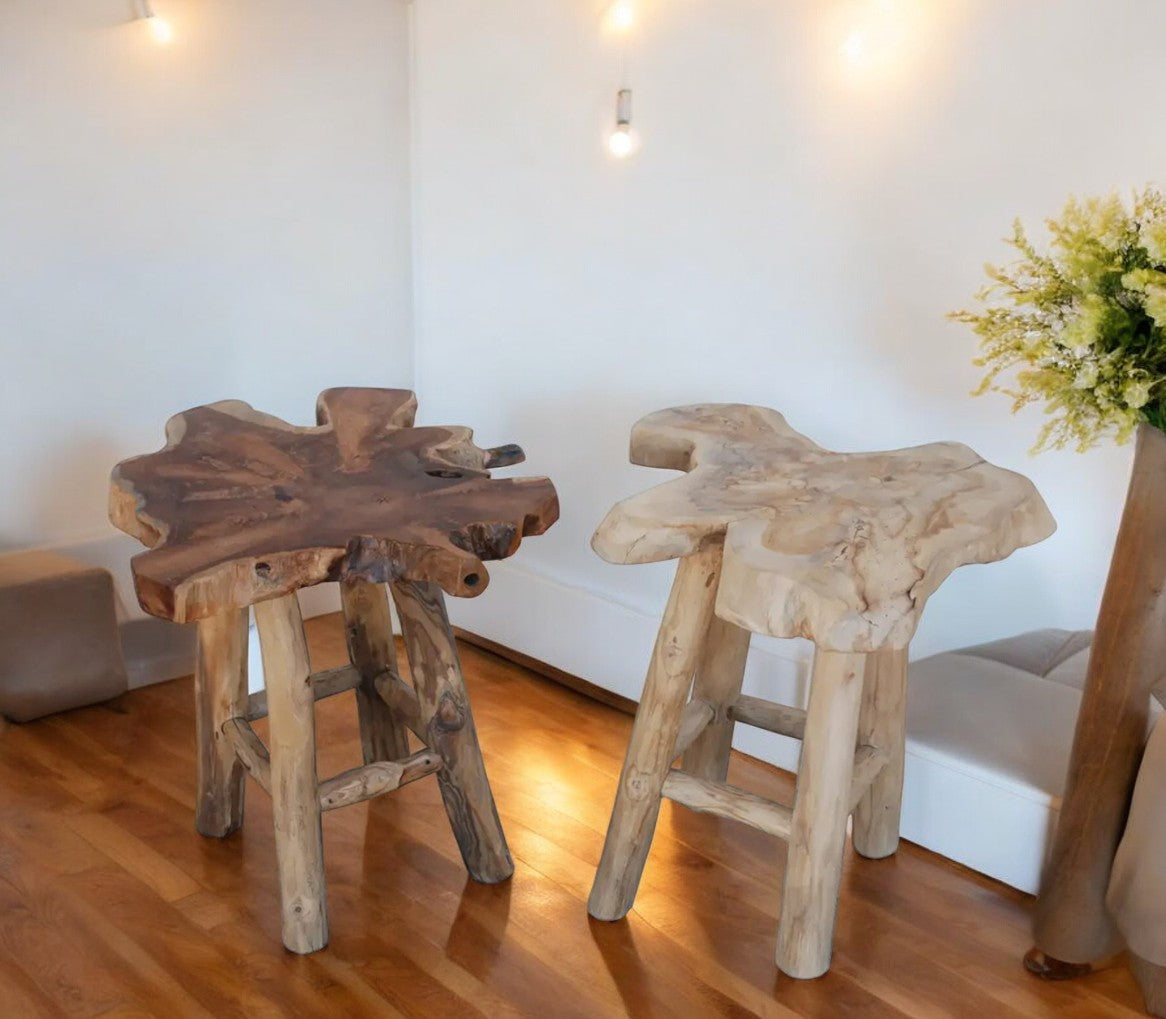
[369, 628]
[637, 800]
[450, 731]
[813, 867]
[718, 681]
[291, 715]
[882, 723]
[220, 693]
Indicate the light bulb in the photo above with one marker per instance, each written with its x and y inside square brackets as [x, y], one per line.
[878, 39]
[621, 142]
[621, 16]
[160, 29]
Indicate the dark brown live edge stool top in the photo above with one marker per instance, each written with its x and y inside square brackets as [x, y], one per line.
[240, 508]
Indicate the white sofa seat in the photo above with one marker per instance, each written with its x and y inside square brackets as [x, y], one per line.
[989, 731]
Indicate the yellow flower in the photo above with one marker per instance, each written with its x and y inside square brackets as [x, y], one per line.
[1081, 333]
[1136, 393]
[1081, 327]
[1154, 240]
[1156, 305]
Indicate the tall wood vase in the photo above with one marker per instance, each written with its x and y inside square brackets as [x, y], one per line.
[1128, 659]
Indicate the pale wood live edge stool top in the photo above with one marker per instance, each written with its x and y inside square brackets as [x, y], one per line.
[240, 508]
[778, 536]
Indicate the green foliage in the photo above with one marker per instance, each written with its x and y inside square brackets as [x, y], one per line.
[1082, 328]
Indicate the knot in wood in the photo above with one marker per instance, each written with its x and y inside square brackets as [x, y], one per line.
[450, 715]
[639, 784]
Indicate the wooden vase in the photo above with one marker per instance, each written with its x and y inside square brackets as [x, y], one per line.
[1128, 659]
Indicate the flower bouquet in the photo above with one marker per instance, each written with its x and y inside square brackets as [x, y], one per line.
[1082, 328]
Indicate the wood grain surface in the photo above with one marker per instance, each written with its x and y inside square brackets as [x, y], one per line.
[841, 548]
[239, 506]
[1126, 663]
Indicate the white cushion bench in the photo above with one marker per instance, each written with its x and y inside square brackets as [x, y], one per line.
[989, 730]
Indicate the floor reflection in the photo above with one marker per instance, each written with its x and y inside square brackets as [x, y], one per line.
[479, 927]
[617, 946]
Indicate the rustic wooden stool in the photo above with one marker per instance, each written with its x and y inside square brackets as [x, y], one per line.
[782, 537]
[240, 508]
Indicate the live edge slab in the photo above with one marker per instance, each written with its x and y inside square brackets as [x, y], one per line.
[841, 548]
[240, 506]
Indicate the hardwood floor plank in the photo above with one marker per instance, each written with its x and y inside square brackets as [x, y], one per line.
[38, 937]
[157, 873]
[20, 994]
[223, 978]
[93, 935]
[503, 920]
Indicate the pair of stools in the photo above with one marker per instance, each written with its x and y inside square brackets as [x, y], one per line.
[774, 535]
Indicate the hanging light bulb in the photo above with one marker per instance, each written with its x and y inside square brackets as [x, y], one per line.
[622, 142]
[159, 27]
[879, 38]
[621, 16]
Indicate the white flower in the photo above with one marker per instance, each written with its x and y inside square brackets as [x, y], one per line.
[1086, 377]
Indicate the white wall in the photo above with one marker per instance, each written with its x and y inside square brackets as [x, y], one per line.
[791, 234]
[226, 216]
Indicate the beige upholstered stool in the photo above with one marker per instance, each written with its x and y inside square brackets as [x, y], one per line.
[242, 509]
[59, 646]
[781, 537]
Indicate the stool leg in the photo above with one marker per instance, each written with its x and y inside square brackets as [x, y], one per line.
[369, 630]
[718, 681]
[299, 841]
[220, 693]
[649, 756]
[813, 867]
[882, 723]
[450, 731]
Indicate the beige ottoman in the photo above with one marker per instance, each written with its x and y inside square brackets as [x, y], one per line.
[59, 644]
[988, 735]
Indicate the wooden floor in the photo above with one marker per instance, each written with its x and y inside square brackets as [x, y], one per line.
[111, 905]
